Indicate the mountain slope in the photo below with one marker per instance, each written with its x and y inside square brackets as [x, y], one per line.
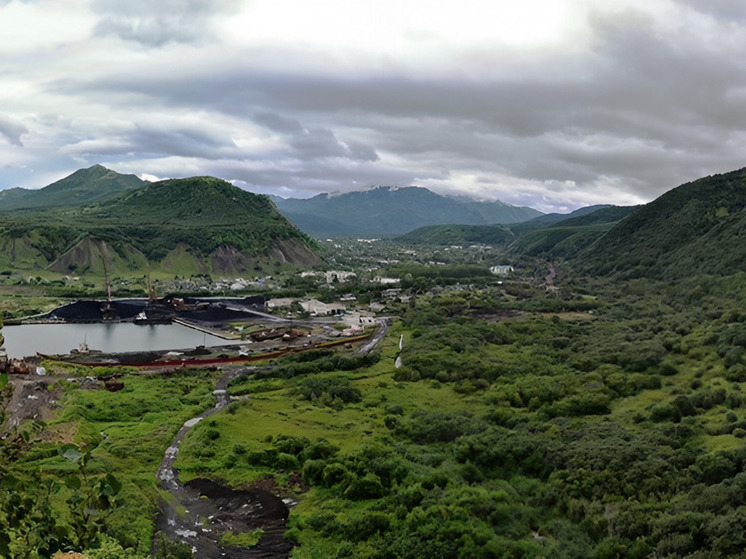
[387, 211]
[697, 227]
[567, 238]
[194, 225]
[85, 186]
[449, 235]
[551, 237]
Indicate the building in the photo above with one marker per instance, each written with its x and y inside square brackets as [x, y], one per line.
[502, 270]
[315, 307]
[282, 302]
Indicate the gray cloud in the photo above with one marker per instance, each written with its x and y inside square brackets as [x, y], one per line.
[158, 23]
[12, 131]
[315, 142]
[638, 103]
[728, 10]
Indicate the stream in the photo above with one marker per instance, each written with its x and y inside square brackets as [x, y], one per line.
[200, 511]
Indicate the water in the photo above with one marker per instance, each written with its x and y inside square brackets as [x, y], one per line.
[28, 339]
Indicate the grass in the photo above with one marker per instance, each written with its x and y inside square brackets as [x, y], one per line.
[273, 408]
[128, 432]
[245, 540]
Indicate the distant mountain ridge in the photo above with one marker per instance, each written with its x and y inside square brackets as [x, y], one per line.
[549, 235]
[182, 226]
[85, 186]
[390, 211]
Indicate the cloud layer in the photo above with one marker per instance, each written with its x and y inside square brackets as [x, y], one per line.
[549, 103]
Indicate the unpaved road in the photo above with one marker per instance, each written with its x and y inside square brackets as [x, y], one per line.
[376, 338]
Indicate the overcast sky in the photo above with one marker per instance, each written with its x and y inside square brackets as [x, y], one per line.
[553, 104]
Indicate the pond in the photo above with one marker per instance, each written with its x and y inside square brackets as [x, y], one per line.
[28, 339]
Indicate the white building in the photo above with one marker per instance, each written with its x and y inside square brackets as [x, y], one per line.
[282, 302]
[314, 307]
[502, 270]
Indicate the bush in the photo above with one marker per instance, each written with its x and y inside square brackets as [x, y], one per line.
[330, 388]
[367, 525]
[313, 471]
[367, 487]
[335, 473]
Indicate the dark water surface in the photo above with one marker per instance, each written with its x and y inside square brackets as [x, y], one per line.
[28, 339]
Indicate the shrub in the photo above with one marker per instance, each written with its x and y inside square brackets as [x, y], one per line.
[367, 487]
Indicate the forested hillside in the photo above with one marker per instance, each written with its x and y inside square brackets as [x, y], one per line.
[85, 186]
[696, 228]
[186, 226]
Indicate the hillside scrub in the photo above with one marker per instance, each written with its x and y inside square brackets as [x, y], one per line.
[600, 420]
[614, 435]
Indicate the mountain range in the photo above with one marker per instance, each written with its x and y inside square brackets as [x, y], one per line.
[549, 235]
[693, 229]
[388, 211]
[206, 225]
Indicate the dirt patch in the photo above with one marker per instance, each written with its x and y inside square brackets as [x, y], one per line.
[211, 509]
[31, 399]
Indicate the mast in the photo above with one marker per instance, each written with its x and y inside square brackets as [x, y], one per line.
[106, 310]
[106, 279]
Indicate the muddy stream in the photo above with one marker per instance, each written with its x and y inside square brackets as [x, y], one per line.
[201, 511]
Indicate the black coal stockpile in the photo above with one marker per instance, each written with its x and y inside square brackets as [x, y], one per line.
[96, 311]
[190, 308]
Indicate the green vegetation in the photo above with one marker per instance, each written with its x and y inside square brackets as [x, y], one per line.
[694, 229]
[85, 481]
[612, 434]
[549, 414]
[186, 226]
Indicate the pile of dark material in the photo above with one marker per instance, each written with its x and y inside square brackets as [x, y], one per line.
[93, 311]
[209, 310]
[235, 510]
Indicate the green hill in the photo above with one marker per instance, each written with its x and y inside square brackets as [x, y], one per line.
[85, 186]
[697, 227]
[183, 226]
[567, 238]
[547, 235]
[448, 235]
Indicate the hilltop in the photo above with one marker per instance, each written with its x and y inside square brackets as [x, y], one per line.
[85, 186]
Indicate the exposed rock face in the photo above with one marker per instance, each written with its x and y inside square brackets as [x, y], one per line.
[294, 252]
[228, 259]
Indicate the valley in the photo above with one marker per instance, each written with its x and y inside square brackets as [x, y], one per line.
[564, 388]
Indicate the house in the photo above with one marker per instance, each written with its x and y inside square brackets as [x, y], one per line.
[376, 307]
[502, 270]
[279, 303]
[359, 319]
[315, 307]
[333, 275]
[386, 281]
[393, 293]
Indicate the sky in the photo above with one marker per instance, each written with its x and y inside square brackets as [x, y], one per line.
[553, 104]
